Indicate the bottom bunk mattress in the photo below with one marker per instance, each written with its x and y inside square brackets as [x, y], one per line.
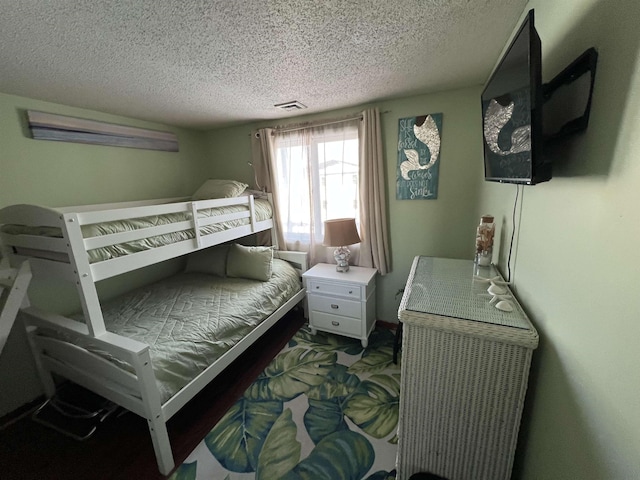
[191, 319]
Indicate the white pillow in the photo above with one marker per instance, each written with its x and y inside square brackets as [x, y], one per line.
[214, 188]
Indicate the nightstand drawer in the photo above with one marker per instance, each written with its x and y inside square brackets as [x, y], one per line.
[343, 290]
[335, 306]
[336, 324]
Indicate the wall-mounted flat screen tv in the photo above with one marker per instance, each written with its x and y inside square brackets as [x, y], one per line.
[512, 113]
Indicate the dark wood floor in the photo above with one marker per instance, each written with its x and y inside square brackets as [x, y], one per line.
[121, 448]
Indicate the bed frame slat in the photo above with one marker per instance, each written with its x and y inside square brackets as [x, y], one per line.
[220, 202]
[101, 386]
[121, 205]
[116, 345]
[73, 354]
[89, 218]
[35, 242]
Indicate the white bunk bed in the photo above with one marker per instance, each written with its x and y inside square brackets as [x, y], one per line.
[55, 243]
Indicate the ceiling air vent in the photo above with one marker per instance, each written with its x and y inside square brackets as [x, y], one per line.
[290, 106]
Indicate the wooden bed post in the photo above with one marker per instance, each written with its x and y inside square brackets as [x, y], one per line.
[252, 214]
[78, 257]
[153, 413]
[274, 229]
[196, 227]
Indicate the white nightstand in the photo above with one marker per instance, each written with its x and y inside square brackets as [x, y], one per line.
[342, 302]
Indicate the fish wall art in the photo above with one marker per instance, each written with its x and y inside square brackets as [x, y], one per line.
[418, 157]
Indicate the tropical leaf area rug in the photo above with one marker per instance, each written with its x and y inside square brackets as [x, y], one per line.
[324, 408]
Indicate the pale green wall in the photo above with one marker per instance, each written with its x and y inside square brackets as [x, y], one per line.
[577, 262]
[577, 269]
[60, 174]
[443, 227]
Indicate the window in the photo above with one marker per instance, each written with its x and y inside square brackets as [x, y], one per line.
[317, 178]
[315, 174]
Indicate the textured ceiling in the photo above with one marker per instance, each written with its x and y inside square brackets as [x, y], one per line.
[204, 63]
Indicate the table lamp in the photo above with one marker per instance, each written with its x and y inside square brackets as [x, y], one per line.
[341, 232]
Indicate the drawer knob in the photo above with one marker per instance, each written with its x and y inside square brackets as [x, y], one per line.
[317, 286]
[334, 306]
[350, 292]
[334, 323]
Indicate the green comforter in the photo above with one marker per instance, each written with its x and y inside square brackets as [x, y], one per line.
[192, 319]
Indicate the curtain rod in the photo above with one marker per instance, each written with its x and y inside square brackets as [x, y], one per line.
[320, 123]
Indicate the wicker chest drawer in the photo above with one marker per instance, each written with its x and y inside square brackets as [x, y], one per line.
[335, 306]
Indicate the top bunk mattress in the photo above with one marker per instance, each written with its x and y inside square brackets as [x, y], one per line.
[263, 211]
[191, 319]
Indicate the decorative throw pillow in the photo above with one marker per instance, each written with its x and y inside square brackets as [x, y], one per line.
[250, 262]
[214, 188]
[211, 260]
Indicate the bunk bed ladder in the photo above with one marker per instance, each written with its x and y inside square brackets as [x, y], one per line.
[14, 283]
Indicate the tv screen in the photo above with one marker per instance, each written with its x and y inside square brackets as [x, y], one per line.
[512, 113]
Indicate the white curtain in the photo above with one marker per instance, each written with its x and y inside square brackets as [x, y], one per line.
[373, 202]
[263, 155]
[315, 169]
[321, 172]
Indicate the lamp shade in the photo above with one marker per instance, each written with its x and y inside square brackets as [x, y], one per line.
[340, 232]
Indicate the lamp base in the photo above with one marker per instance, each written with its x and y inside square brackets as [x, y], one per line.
[342, 267]
[342, 254]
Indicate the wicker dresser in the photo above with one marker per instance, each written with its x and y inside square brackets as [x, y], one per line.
[465, 366]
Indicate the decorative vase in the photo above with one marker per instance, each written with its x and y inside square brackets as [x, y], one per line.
[484, 241]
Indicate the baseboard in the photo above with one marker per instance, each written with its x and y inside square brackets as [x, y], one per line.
[387, 325]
